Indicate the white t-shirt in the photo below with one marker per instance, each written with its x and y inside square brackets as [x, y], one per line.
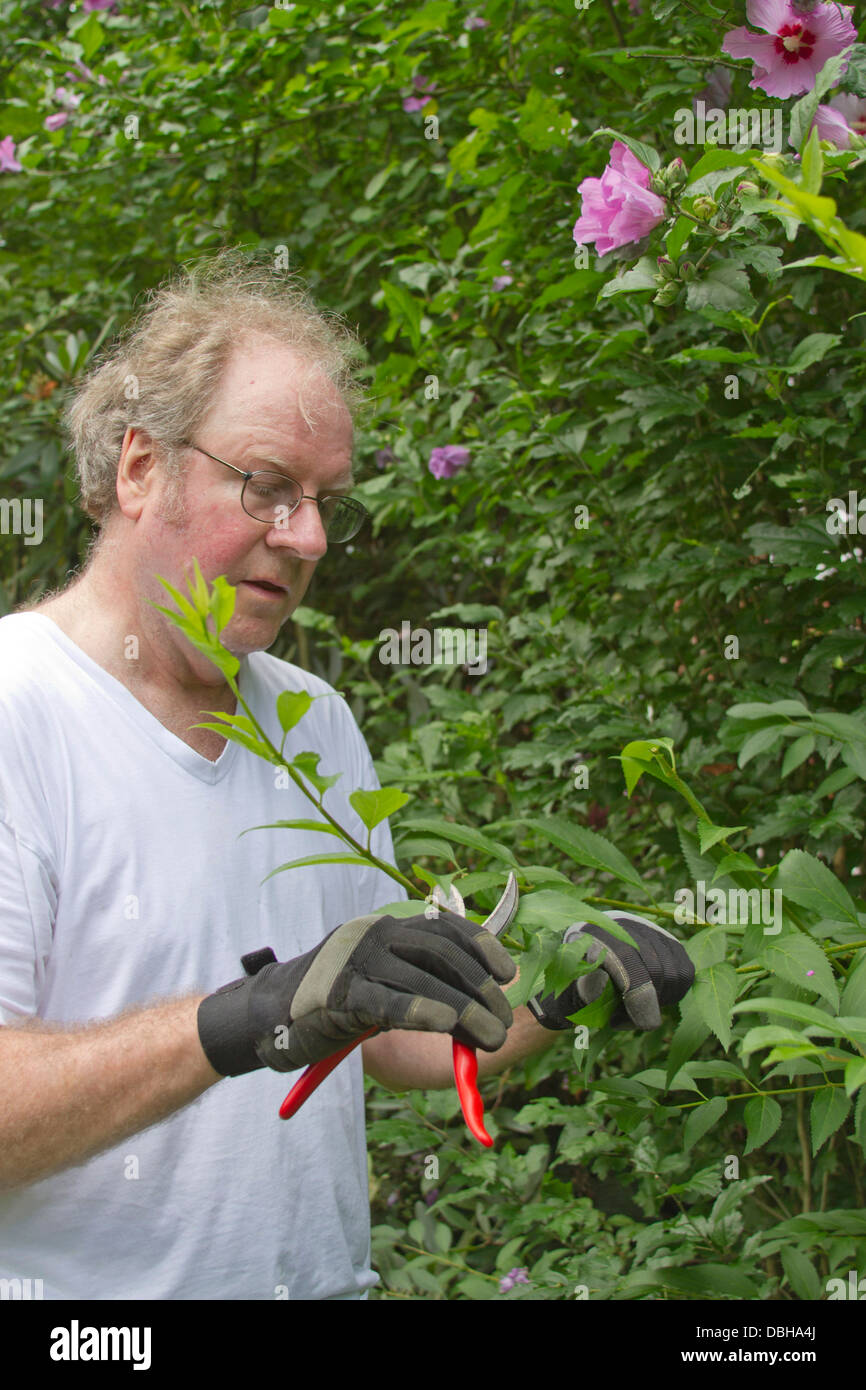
[123, 880]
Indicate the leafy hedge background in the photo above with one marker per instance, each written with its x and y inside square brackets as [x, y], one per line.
[704, 436]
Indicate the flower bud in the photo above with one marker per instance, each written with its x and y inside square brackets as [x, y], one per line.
[687, 271]
[667, 270]
[747, 186]
[667, 294]
[704, 206]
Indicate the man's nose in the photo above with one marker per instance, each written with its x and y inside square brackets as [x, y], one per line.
[303, 531]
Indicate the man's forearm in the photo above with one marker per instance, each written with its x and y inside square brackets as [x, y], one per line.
[67, 1094]
[405, 1061]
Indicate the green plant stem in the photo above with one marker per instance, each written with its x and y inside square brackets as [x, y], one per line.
[779, 1091]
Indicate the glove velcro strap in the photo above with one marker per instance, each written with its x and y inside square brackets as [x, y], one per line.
[223, 1030]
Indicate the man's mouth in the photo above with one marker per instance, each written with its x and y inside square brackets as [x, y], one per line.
[265, 588]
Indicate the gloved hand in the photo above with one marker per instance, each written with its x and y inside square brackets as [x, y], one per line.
[385, 972]
[659, 972]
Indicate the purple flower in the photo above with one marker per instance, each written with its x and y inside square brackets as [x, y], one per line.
[393, 1198]
[430, 1197]
[474, 21]
[56, 121]
[501, 282]
[8, 163]
[447, 459]
[68, 99]
[384, 457]
[99, 5]
[514, 1276]
[845, 116]
[418, 103]
[620, 206]
[787, 61]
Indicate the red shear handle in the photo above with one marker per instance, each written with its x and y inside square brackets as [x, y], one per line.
[465, 1074]
[315, 1075]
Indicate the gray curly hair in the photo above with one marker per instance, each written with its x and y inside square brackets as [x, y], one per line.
[161, 372]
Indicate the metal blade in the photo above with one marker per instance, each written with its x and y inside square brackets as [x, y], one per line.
[505, 909]
[453, 903]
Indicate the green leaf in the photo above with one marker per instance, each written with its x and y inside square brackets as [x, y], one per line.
[405, 312]
[710, 835]
[799, 959]
[375, 806]
[308, 764]
[91, 36]
[292, 705]
[462, 835]
[762, 1116]
[586, 847]
[702, 1118]
[801, 1274]
[812, 166]
[812, 349]
[234, 735]
[296, 825]
[798, 751]
[805, 880]
[645, 153]
[715, 990]
[319, 859]
[639, 277]
[828, 1109]
[723, 286]
[855, 1074]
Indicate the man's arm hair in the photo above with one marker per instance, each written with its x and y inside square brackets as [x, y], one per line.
[68, 1093]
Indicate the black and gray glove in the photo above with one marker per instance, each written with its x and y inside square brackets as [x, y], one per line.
[659, 972]
[436, 975]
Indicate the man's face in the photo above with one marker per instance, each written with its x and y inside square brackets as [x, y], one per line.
[256, 422]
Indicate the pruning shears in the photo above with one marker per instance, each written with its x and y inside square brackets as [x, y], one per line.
[465, 1060]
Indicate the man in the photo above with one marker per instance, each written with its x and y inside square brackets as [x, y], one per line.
[140, 1151]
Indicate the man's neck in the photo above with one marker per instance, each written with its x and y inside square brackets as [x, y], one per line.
[115, 634]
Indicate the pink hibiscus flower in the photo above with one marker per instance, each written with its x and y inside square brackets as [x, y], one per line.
[8, 163]
[445, 461]
[797, 45]
[845, 116]
[620, 206]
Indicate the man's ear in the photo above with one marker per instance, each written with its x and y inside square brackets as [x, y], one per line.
[135, 471]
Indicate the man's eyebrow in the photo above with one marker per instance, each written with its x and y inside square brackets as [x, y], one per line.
[287, 467]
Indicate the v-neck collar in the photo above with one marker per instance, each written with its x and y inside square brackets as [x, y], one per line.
[147, 723]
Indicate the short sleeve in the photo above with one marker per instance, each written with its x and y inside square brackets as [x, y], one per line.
[28, 907]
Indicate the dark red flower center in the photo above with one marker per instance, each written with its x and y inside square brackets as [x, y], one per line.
[793, 42]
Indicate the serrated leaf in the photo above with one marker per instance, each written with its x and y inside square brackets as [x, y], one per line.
[799, 959]
[702, 1118]
[801, 1274]
[461, 835]
[715, 990]
[826, 1113]
[374, 806]
[710, 835]
[855, 1074]
[810, 350]
[586, 847]
[807, 881]
[762, 1116]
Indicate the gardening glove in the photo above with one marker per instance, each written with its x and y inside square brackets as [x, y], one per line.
[659, 972]
[437, 975]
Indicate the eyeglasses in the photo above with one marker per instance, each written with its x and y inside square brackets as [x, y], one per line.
[272, 498]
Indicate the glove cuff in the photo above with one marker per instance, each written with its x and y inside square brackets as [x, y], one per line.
[223, 1030]
[551, 1011]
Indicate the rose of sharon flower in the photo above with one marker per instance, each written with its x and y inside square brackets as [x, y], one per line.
[514, 1276]
[446, 460]
[8, 163]
[797, 46]
[844, 117]
[418, 103]
[619, 207]
[56, 121]
[99, 5]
